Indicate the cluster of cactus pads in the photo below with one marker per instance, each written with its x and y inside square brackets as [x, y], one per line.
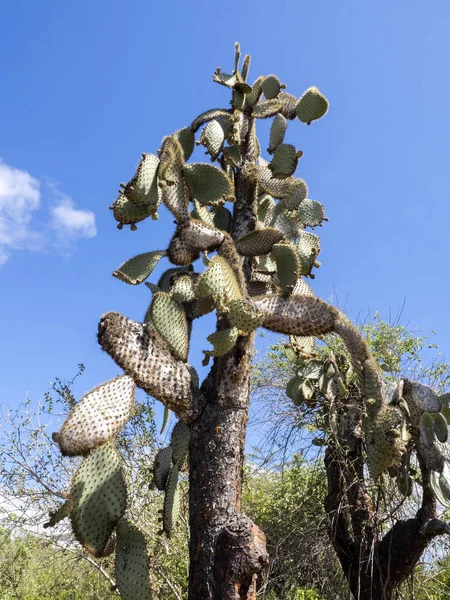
[394, 424]
[250, 221]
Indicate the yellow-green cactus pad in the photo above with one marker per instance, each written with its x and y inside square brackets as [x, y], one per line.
[312, 106]
[127, 213]
[165, 419]
[277, 131]
[288, 265]
[302, 345]
[255, 94]
[258, 242]
[98, 417]
[131, 564]
[284, 161]
[232, 156]
[203, 213]
[171, 508]
[186, 138]
[244, 316]
[167, 278]
[208, 184]
[266, 108]
[143, 189]
[440, 427]
[266, 264]
[271, 86]
[278, 188]
[169, 320]
[311, 213]
[183, 289]
[297, 193]
[98, 498]
[223, 341]
[266, 207]
[289, 104]
[308, 248]
[213, 137]
[383, 440]
[136, 270]
[218, 281]
[179, 443]
[162, 466]
[298, 315]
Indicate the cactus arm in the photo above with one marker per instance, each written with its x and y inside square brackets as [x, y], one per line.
[146, 357]
[209, 115]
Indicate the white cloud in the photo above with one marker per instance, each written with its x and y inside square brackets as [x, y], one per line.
[72, 222]
[19, 199]
[21, 202]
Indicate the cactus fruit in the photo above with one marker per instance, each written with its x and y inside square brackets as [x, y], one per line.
[131, 564]
[98, 417]
[312, 106]
[271, 86]
[208, 184]
[222, 340]
[143, 189]
[311, 213]
[258, 242]
[277, 131]
[169, 320]
[127, 213]
[284, 161]
[171, 506]
[98, 498]
[179, 443]
[161, 467]
[136, 270]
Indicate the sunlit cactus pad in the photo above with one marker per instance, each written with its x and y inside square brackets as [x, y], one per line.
[132, 562]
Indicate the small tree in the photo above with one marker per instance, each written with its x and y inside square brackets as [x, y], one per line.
[252, 215]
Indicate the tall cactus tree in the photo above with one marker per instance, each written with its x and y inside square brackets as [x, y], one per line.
[249, 221]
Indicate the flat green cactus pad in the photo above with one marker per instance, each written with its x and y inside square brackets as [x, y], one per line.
[266, 207]
[258, 242]
[312, 106]
[218, 281]
[136, 270]
[284, 161]
[266, 108]
[171, 508]
[143, 189]
[277, 132]
[308, 248]
[186, 139]
[232, 156]
[302, 345]
[98, 417]
[179, 442]
[296, 194]
[162, 466]
[169, 320]
[311, 213]
[289, 104]
[427, 429]
[288, 265]
[166, 280]
[132, 562]
[244, 316]
[213, 136]
[440, 427]
[208, 184]
[127, 213]
[98, 498]
[183, 289]
[223, 341]
[222, 218]
[271, 86]
[383, 440]
[278, 188]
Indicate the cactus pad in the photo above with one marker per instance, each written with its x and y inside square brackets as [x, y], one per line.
[288, 265]
[222, 218]
[311, 213]
[186, 139]
[296, 194]
[284, 161]
[136, 270]
[169, 320]
[440, 427]
[308, 248]
[277, 131]
[383, 441]
[208, 184]
[183, 289]
[161, 467]
[143, 189]
[271, 86]
[278, 188]
[179, 443]
[131, 565]
[218, 281]
[213, 137]
[171, 508]
[266, 108]
[244, 316]
[97, 417]
[258, 242]
[289, 103]
[127, 213]
[223, 341]
[98, 498]
[312, 106]
[426, 429]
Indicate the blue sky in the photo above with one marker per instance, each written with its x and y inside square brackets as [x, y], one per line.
[88, 86]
